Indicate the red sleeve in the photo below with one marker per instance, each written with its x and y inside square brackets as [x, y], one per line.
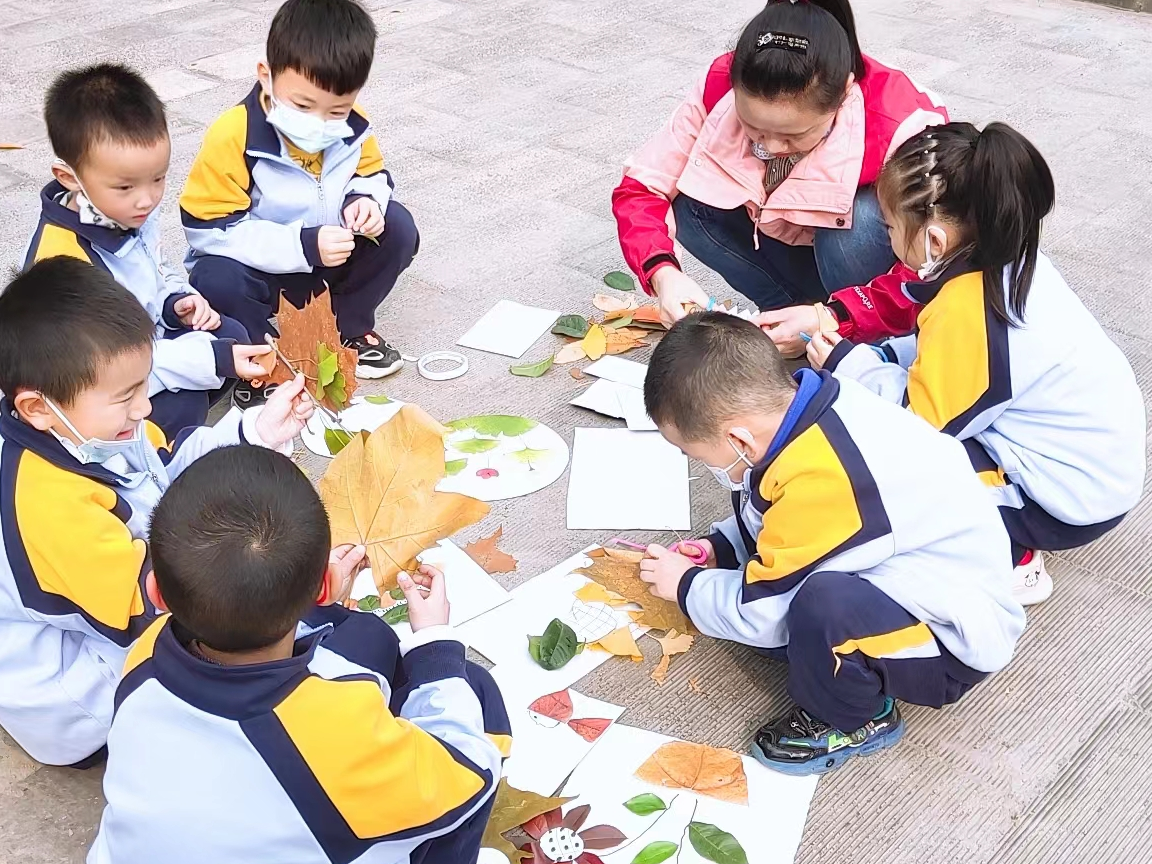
[641, 220]
[879, 309]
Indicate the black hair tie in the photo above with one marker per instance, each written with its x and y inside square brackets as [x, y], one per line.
[783, 41]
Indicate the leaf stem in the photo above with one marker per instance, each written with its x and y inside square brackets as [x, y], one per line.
[691, 818]
[655, 822]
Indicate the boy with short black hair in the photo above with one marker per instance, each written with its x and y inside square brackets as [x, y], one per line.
[110, 137]
[289, 195]
[80, 471]
[254, 725]
[863, 550]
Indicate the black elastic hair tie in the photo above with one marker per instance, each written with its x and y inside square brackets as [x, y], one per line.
[783, 41]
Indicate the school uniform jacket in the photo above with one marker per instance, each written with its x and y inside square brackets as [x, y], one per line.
[1052, 399]
[247, 199]
[71, 575]
[854, 484]
[298, 760]
[195, 360]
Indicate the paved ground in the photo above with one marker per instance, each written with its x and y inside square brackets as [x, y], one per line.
[505, 123]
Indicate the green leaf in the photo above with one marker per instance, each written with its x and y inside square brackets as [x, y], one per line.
[396, 593]
[656, 852]
[335, 440]
[370, 239]
[396, 614]
[713, 844]
[527, 455]
[646, 804]
[328, 365]
[556, 647]
[571, 325]
[617, 323]
[368, 604]
[454, 467]
[620, 281]
[336, 391]
[495, 424]
[475, 445]
[532, 370]
[377, 400]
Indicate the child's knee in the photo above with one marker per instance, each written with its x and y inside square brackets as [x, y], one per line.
[818, 598]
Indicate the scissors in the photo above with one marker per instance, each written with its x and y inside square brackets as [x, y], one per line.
[327, 414]
[694, 552]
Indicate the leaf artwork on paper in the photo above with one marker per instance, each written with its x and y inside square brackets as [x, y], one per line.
[645, 804]
[671, 644]
[485, 553]
[620, 280]
[609, 303]
[380, 491]
[497, 456]
[654, 853]
[336, 440]
[310, 340]
[619, 572]
[589, 728]
[710, 771]
[621, 643]
[558, 707]
[532, 370]
[513, 808]
[595, 342]
[555, 647]
[716, 845]
[558, 838]
[571, 325]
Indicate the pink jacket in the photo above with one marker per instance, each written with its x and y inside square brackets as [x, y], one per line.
[704, 153]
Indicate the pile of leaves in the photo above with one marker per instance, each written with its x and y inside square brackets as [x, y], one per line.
[310, 340]
[711, 771]
[380, 491]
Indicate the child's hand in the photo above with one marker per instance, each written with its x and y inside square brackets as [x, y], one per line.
[285, 413]
[786, 325]
[194, 311]
[706, 546]
[253, 361]
[663, 569]
[344, 562]
[363, 216]
[674, 289]
[426, 596]
[335, 245]
[820, 347]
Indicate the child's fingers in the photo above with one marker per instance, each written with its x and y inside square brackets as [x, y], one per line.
[655, 550]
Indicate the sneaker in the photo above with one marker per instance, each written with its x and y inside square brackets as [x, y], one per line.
[799, 744]
[377, 358]
[1031, 583]
[246, 394]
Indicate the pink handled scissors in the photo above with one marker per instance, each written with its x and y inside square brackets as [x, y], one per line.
[692, 551]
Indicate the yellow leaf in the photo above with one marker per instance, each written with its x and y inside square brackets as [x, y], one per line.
[660, 673]
[595, 342]
[511, 809]
[616, 573]
[620, 643]
[674, 643]
[595, 593]
[570, 353]
[380, 491]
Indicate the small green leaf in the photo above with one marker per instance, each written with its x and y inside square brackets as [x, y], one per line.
[336, 392]
[475, 445]
[377, 400]
[454, 467]
[396, 614]
[713, 844]
[370, 239]
[335, 440]
[328, 365]
[556, 647]
[646, 804]
[368, 604]
[617, 323]
[656, 852]
[527, 455]
[396, 593]
[532, 370]
[571, 325]
[495, 424]
[620, 281]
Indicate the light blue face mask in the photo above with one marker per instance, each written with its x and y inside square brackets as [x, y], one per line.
[93, 450]
[722, 475]
[308, 132]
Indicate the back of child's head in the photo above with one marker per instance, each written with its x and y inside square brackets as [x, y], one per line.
[240, 544]
[329, 42]
[105, 102]
[799, 49]
[710, 368]
[994, 184]
[61, 321]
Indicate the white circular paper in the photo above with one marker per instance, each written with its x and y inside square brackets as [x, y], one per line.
[503, 471]
[359, 416]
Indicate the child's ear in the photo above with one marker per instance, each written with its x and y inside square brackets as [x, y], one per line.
[33, 410]
[153, 591]
[263, 72]
[64, 174]
[328, 588]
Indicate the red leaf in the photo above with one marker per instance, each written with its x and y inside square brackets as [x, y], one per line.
[589, 858]
[557, 706]
[538, 826]
[576, 816]
[602, 837]
[589, 728]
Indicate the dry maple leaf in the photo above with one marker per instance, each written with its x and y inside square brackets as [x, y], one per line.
[570, 353]
[623, 576]
[302, 332]
[380, 491]
[511, 809]
[485, 553]
[709, 771]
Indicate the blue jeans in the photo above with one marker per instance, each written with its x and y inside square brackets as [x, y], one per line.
[777, 274]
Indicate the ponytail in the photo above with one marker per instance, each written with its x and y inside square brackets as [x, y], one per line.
[994, 183]
[799, 48]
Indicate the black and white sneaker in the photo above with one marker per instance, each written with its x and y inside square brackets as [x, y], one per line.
[246, 394]
[376, 358]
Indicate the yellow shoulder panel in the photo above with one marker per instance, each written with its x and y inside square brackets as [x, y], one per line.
[78, 548]
[371, 159]
[218, 182]
[950, 372]
[155, 435]
[813, 508]
[363, 756]
[145, 645]
[55, 240]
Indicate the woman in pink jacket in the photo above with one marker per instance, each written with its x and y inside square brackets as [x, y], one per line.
[765, 172]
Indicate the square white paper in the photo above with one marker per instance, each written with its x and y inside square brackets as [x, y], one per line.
[616, 400]
[769, 828]
[509, 328]
[658, 501]
[613, 368]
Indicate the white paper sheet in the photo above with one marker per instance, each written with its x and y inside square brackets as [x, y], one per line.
[616, 400]
[545, 750]
[769, 828]
[656, 499]
[502, 634]
[613, 368]
[509, 328]
[359, 416]
[471, 591]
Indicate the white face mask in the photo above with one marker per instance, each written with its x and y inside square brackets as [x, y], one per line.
[931, 265]
[308, 132]
[723, 477]
[93, 450]
[90, 214]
